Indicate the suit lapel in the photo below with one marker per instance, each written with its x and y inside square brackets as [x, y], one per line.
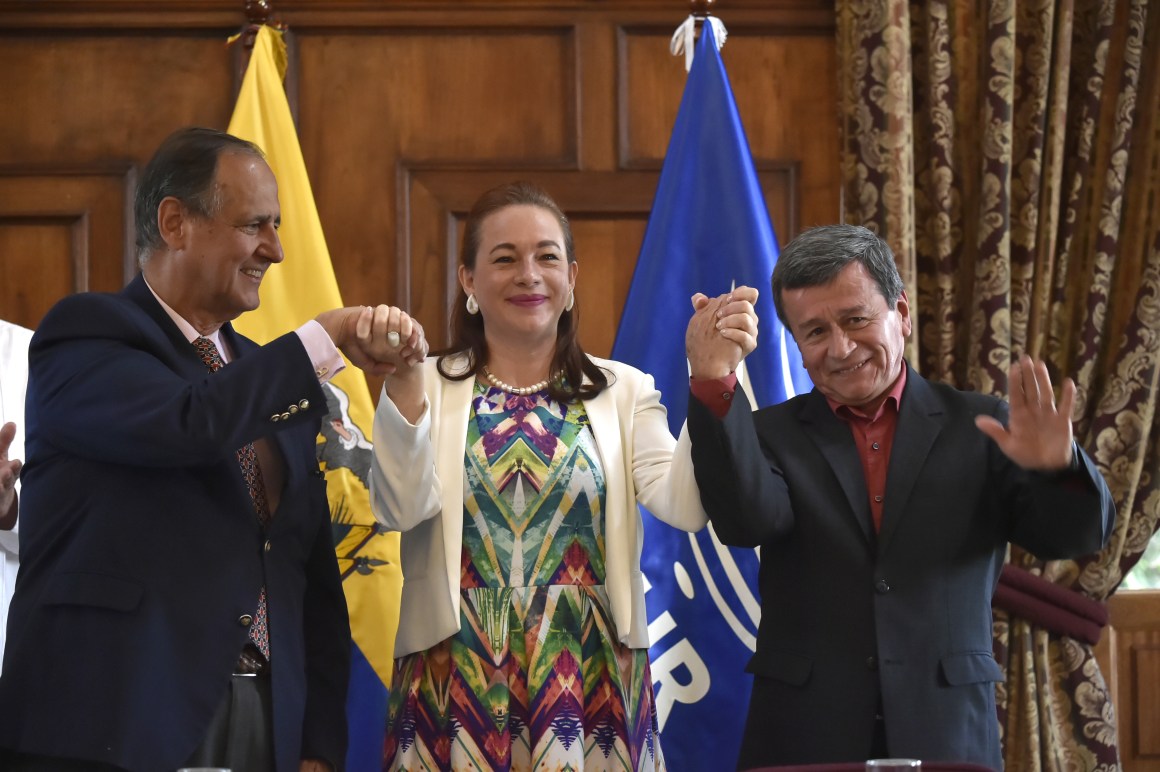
[178, 353]
[919, 423]
[836, 444]
[451, 410]
[453, 423]
[602, 419]
[187, 357]
[281, 441]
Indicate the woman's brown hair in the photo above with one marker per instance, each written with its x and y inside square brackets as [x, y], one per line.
[467, 335]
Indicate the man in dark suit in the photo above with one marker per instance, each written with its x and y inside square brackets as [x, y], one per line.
[178, 600]
[883, 504]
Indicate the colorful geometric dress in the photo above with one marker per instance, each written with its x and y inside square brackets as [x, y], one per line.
[536, 678]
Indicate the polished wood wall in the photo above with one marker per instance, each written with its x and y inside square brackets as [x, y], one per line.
[406, 112]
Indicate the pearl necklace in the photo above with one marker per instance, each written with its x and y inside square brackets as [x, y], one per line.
[520, 391]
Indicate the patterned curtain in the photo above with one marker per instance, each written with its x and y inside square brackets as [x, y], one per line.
[1009, 151]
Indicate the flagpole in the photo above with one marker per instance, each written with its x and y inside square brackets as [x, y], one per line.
[256, 14]
[259, 13]
[685, 39]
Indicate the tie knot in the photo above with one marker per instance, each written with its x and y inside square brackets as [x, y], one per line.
[209, 353]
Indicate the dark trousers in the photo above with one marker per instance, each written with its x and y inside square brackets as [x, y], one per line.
[878, 748]
[240, 735]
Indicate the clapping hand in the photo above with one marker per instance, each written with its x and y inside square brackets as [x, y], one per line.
[722, 332]
[9, 471]
[1038, 433]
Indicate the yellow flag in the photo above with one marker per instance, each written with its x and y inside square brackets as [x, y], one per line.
[297, 290]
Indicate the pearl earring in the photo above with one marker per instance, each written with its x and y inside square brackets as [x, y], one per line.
[571, 300]
[472, 305]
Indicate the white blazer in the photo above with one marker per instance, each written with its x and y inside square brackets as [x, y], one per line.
[417, 488]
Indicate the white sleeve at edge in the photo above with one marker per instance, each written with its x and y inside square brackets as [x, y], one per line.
[404, 488]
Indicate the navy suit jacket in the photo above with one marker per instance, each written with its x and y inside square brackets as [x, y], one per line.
[140, 549]
[850, 617]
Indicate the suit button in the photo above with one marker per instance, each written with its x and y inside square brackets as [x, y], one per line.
[871, 663]
[268, 545]
[304, 404]
[293, 409]
[276, 418]
[882, 586]
[245, 620]
[285, 416]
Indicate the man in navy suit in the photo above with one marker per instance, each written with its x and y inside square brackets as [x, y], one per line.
[178, 601]
[883, 504]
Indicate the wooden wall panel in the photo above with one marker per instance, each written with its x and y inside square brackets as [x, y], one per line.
[373, 105]
[380, 108]
[82, 111]
[101, 96]
[37, 260]
[1129, 657]
[784, 85]
[406, 112]
[1145, 670]
[785, 88]
[50, 220]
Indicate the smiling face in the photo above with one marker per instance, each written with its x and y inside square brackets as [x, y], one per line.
[215, 264]
[851, 339]
[521, 277]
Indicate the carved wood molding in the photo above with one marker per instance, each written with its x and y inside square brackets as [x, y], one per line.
[90, 15]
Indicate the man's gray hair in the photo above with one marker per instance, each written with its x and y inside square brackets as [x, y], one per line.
[184, 167]
[818, 255]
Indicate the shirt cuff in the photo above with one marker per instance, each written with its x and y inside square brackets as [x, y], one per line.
[715, 393]
[324, 355]
[1069, 470]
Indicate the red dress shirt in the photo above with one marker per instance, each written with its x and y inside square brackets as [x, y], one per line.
[873, 434]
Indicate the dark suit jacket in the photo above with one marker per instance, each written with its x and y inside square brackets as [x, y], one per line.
[850, 617]
[140, 548]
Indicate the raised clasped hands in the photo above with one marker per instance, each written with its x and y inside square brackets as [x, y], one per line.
[722, 332]
[389, 336]
[381, 340]
[1038, 434]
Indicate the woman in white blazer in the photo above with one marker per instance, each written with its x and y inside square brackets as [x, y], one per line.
[512, 464]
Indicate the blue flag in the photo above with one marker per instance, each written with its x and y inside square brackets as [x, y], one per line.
[709, 229]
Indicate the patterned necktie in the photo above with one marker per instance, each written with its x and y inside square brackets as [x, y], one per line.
[252, 473]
